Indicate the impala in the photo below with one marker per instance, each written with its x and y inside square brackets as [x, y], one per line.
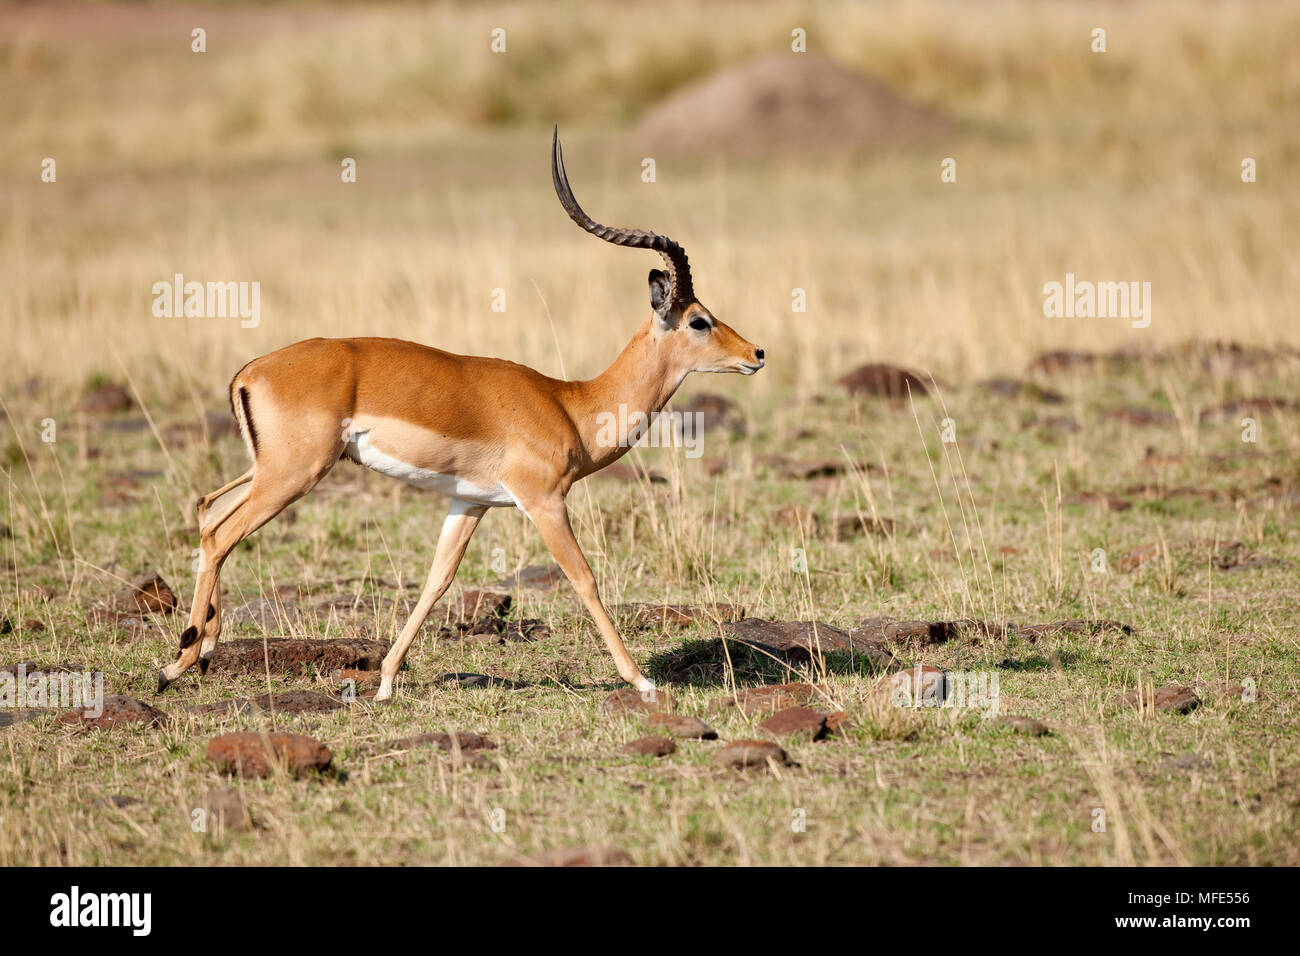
[486, 432]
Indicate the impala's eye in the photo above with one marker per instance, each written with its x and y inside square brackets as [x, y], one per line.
[699, 324]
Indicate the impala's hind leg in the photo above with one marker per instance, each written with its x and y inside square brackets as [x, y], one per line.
[462, 519]
[275, 485]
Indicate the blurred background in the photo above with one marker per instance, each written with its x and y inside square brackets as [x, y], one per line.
[777, 170]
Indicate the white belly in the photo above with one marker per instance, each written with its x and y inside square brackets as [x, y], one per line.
[360, 450]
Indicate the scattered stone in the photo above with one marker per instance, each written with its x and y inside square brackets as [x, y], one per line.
[256, 755]
[803, 721]
[478, 603]
[467, 680]
[106, 399]
[800, 641]
[662, 615]
[1011, 388]
[542, 577]
[148, 594]
[768, 699]
[629, 700]
[650, 747]
[919, 686]
[874, 631]
[293, 655]
[463, 740]
[1175, 698]
[118, 711]
[579, 856]
[714, 411]
[1023, 725]
[740, 754]
[117, 801]
[882, 381]
[1187, 761]
[679, 725]
[225, 807]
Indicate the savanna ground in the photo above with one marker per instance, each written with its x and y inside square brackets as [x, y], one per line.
[1124, 165]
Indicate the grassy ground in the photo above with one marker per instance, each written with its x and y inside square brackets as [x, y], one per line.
[1124, 166]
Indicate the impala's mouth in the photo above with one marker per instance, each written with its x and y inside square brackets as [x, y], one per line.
[749, 368]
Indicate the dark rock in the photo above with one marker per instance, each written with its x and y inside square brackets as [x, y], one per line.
[766, 700]
[1024, 725]
[579, 856]
[629, 700]
[800, 641]
[119, 711]
[740, 754]
[679, 725]
[148, 593]
[803, 721]
[106, 399]
[462, 740]
[539, 577]
[225, 808]
[1175, 698]
[293, 655]
[883, 381]
[650, 747]
[662, 615]
[256, 755]
[478, 603]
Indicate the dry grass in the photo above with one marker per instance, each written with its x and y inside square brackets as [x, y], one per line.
[1121, 166]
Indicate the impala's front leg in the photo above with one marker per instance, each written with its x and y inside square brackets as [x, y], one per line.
[552, 519]
[457, 529]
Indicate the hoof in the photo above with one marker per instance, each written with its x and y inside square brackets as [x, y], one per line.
[162, 682]
[204, 661]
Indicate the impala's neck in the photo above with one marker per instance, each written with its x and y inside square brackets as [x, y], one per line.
[638, 383]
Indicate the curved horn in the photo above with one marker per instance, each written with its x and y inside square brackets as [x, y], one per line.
[679, 270]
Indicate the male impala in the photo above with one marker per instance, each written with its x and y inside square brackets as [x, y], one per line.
[487, 432]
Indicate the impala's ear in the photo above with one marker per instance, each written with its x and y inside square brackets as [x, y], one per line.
[661, 291]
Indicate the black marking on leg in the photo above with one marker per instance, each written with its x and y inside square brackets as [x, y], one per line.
[204, 661]
[248, 418]
[189, 636]
[212, 612]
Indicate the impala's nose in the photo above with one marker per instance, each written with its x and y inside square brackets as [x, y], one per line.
[758, 354]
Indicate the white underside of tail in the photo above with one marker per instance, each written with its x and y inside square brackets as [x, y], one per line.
[359, 449]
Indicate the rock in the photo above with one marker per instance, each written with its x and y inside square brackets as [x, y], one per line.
[800, 641]
[1187, 761]
[119, 711]
[679, 725]
[919, 686]
[750, 753]
[629, 700]
[650, 747]
[1023, 725]
[883, 381]
[148, 593]
[803, 721]
[579, 856]
[850, 526]
[130, 625]
[462, 740]
[117, 801]
[256, 755]
[1091, 628]
[293, 655]
[458, 679]
[539, 577]
[662, 615]
[886, 630]
[225, 808]
[708, 412]
[478, 603]
[106, 399]
[1176, 698]
[766, 700]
